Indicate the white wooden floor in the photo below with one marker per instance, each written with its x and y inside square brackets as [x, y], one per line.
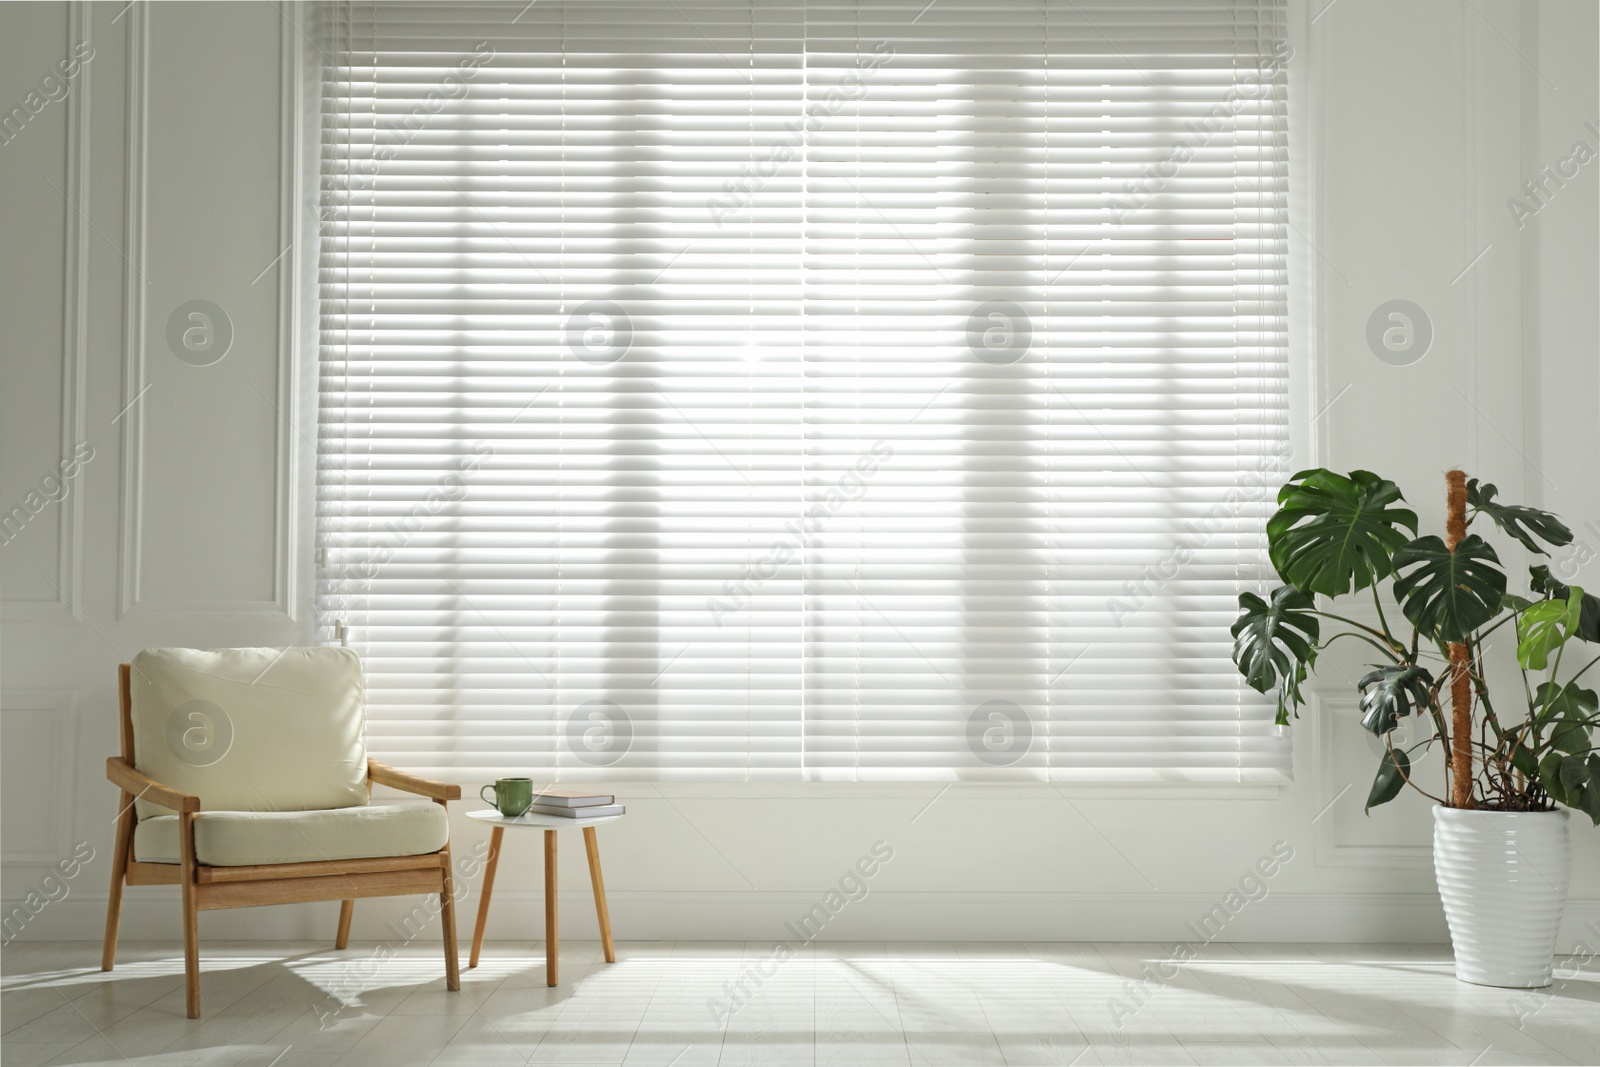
[851, 1004]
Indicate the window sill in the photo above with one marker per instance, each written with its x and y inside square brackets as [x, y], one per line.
[1026, 791]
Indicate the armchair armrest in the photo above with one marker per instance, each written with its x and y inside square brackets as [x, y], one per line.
[131, 780]
[384, 774]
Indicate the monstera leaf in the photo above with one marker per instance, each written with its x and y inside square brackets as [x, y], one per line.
[1449, 594]
[1392, 773]
[1289, 695]
[1546, 626]
[1574, 781]
[1389, 693]
[1570, 701]
[1570, 736]
[1522, 758]
[1520, 522]
[1588, 614]
[1334, 533]
[1569, 711]
[1274, 642]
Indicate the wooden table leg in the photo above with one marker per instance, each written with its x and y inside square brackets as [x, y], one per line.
[591, 845]
[483, 895]
[550, 907]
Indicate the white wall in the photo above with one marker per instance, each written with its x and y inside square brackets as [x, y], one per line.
[172, 162]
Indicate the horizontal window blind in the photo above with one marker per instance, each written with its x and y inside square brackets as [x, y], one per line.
[825, 390]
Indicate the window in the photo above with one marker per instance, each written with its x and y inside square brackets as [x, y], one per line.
[824, 390]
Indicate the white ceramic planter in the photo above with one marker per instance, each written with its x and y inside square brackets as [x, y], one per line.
[1503, 877]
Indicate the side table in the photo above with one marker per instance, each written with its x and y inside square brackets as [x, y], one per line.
[551, 825]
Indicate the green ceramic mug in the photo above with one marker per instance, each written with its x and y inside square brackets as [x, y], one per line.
[512, 796]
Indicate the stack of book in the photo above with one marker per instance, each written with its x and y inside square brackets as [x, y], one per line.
[572, 804]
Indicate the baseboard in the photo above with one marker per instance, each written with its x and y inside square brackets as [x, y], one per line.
[152, 913]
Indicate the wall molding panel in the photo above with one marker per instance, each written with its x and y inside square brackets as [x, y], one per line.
[136, 94]
[1335, 720]
[68, 578]
[41, 726]
[133, 595]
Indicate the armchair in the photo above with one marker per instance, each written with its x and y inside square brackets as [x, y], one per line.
[245, 781]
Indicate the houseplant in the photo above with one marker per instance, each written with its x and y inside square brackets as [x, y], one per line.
[1517, 758]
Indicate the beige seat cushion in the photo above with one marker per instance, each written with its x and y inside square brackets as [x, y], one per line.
[241, 838]
[252, 729]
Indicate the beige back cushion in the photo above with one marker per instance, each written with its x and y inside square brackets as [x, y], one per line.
[251, 729]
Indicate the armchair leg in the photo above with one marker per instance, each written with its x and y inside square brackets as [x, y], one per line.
[447, 903]
[346, 910]
[119, 876]
[191, 917]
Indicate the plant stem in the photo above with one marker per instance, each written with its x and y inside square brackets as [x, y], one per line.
[1436, 709]
[1358, 637]
[1394, 645]
[1485, 633]
[1482, 686]
[1436, 713]
[1407, 778]
[1377, 602]
[1580, 671]
[1527, 690]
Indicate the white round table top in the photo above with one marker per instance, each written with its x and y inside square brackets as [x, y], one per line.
[534, 821]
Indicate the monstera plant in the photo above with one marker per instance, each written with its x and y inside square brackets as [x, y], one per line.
[1525, 749]
[1335, 535]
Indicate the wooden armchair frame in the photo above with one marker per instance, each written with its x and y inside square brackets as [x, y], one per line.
[206, 888]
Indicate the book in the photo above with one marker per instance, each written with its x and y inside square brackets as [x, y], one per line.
[571, 798]
[592, 811]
